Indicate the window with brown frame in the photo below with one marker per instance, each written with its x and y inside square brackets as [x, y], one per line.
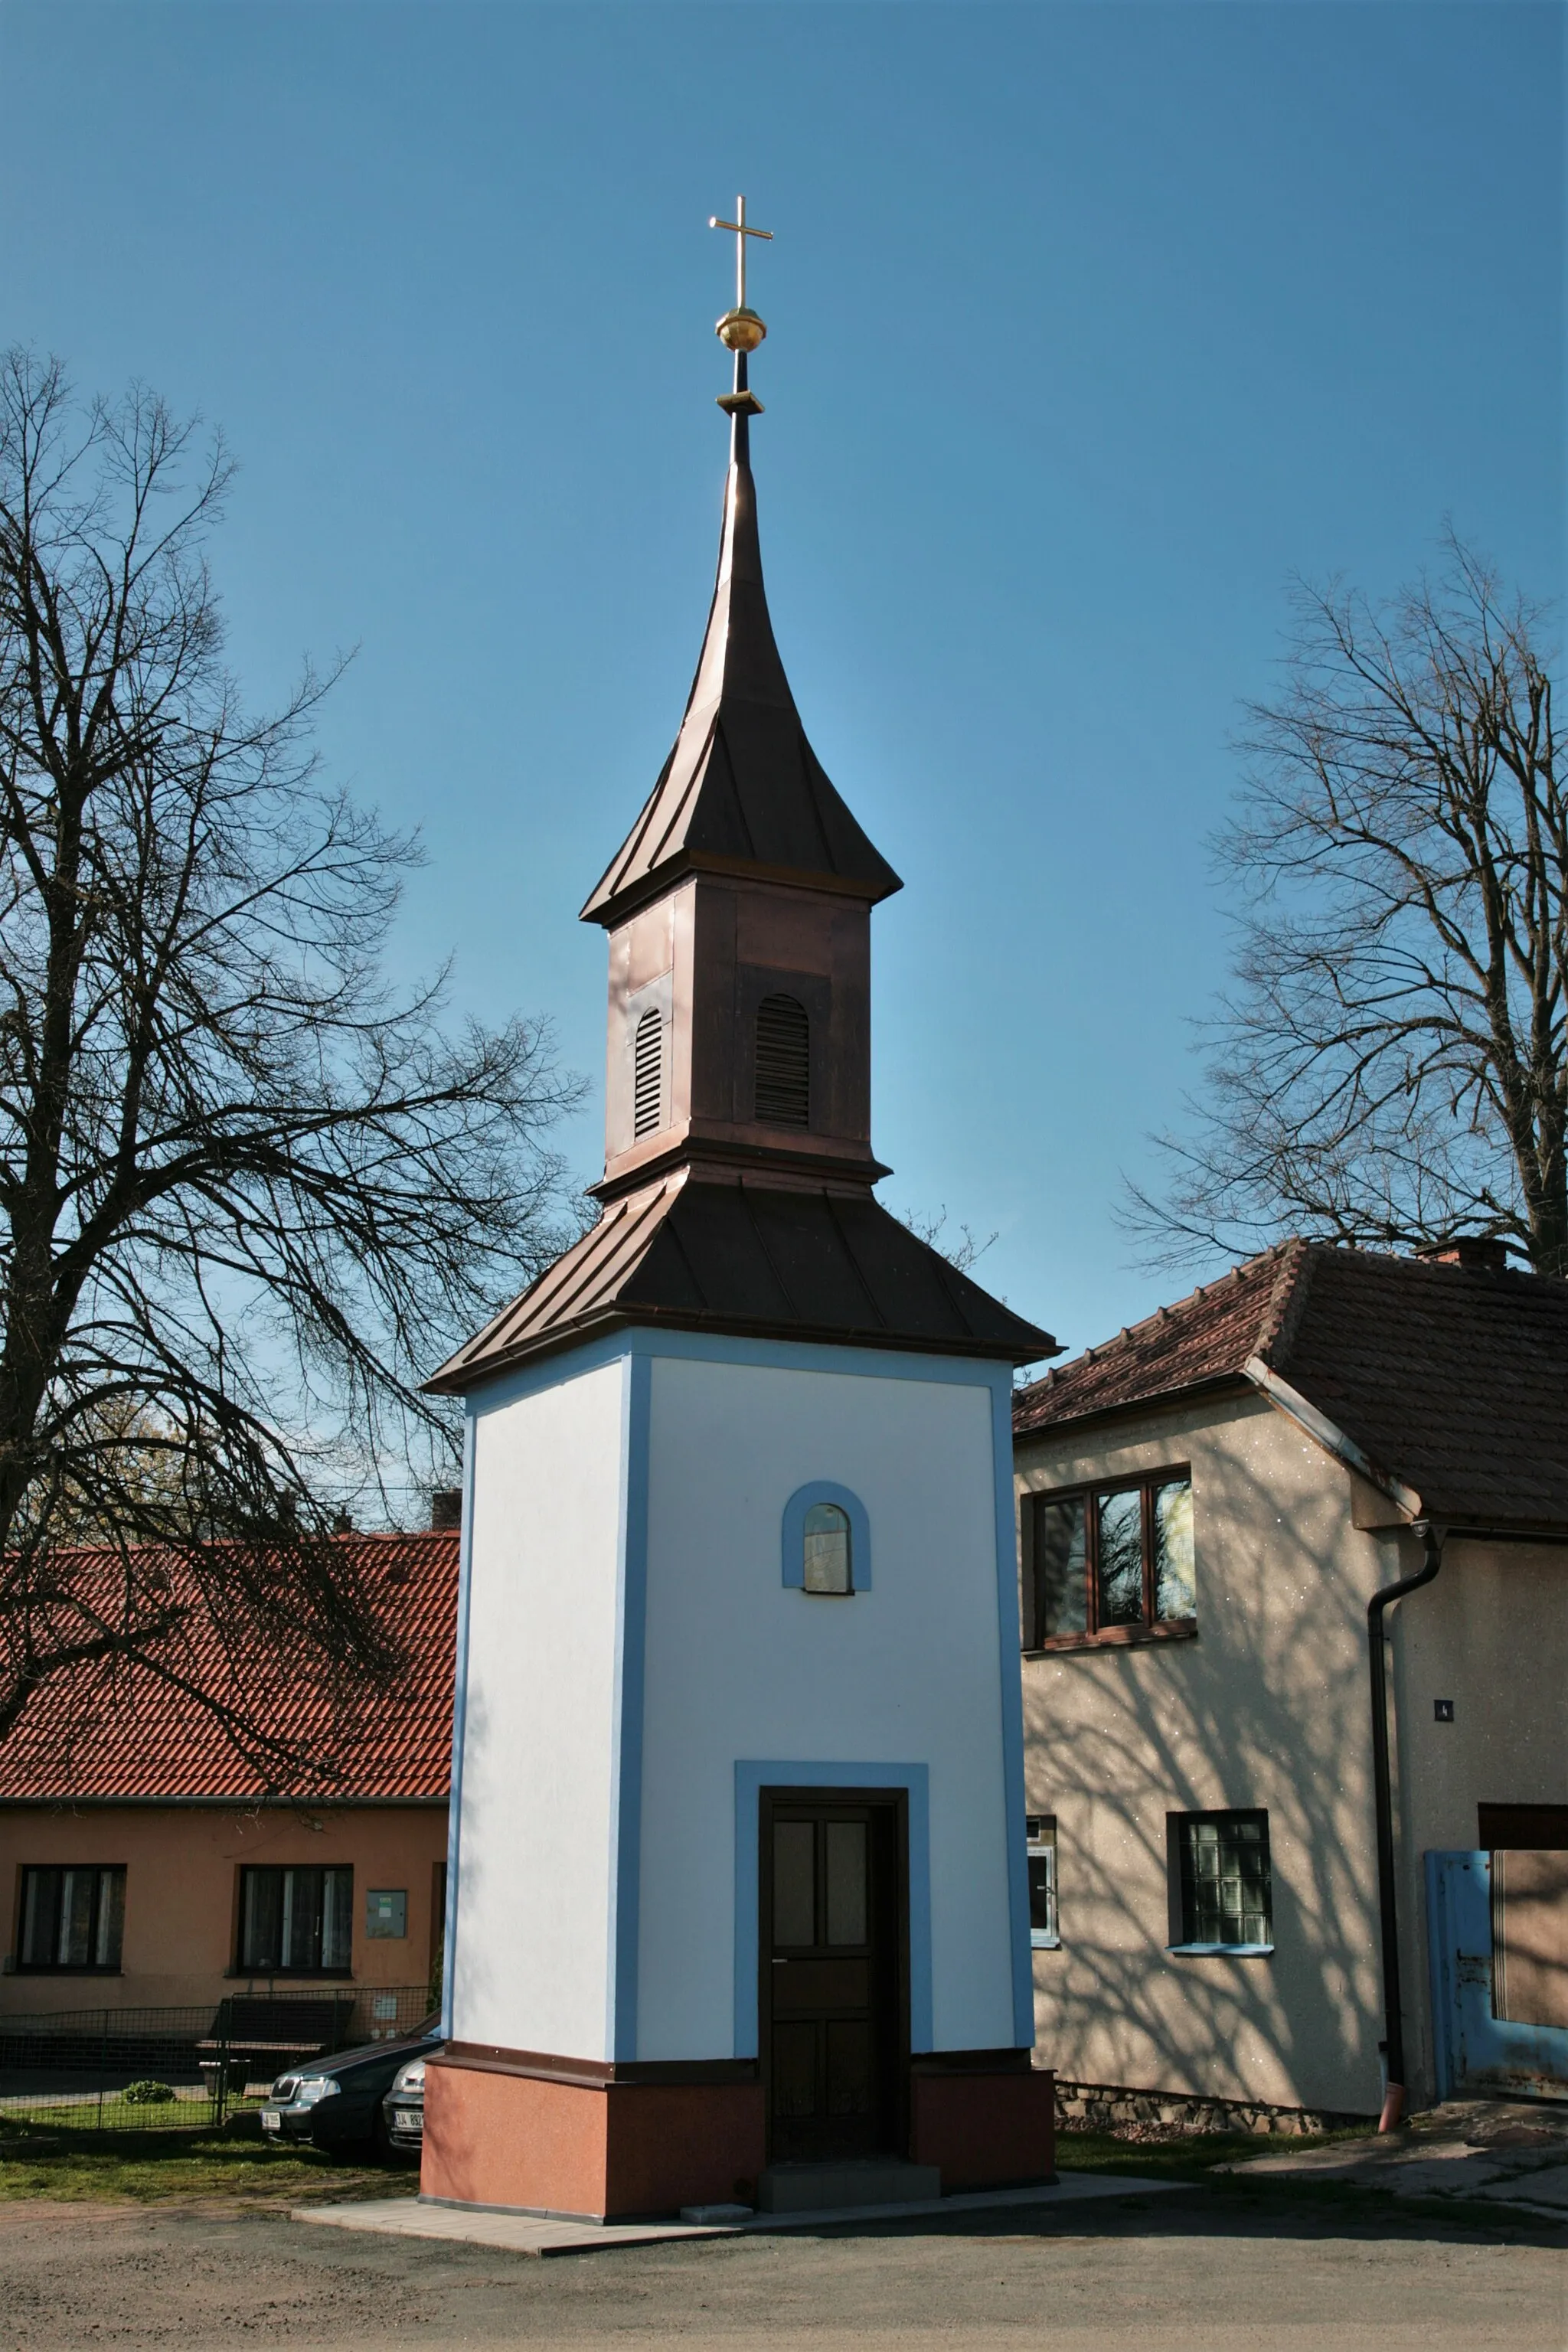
[296, 1922]
[1111, 1563]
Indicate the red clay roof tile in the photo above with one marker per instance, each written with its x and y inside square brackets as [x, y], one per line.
[1202, 1339]
[93, 1735]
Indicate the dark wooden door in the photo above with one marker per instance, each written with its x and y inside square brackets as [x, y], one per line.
[834, 2040]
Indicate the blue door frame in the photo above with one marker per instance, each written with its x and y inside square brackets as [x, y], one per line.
[1478, 2054]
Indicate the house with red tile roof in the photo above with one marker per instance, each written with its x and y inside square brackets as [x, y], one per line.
[1232, 1901]
[143, 1862]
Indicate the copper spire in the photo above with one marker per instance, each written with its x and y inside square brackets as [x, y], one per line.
[742, 788]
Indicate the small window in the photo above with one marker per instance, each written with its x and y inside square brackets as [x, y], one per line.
[648, 1074]
[1112, 1563]
[784, 1063]
[827, 1542]
[1042, 1853]
[296, 1922]
[829, 1566]
[1223, 1893]
[73, 1919]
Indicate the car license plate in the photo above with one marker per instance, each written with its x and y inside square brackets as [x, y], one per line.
[271, 2120]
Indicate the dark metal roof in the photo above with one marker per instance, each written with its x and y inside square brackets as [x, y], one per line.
[750, 1258]
[1451, 1378]
[742, 789]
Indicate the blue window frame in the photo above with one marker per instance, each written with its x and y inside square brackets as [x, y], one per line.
[826, 1540]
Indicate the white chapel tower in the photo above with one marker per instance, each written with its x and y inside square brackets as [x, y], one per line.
[738, 1873]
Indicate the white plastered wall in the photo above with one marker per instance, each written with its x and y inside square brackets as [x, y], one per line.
[738, 1666]
[531, 1959]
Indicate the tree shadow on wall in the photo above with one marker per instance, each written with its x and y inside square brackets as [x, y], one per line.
[1269, 1705]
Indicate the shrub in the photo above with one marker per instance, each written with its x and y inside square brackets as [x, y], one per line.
[147, 2092]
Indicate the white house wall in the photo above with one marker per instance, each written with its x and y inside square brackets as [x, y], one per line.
[538, 1693]
[738, 1666]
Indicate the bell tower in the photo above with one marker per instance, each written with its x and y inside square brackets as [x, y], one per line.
[737, 1880]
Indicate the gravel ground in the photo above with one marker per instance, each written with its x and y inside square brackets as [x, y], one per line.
[1196, 2272]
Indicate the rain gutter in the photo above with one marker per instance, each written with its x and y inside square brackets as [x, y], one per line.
[1388, 1914]
[1318, 1425]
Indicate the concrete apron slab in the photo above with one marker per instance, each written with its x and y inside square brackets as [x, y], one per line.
[540, 2233]
[1508, 2152]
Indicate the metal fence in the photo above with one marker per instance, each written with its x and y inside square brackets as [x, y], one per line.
[188, 2069]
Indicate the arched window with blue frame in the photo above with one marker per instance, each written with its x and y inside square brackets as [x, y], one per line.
[826, 1542]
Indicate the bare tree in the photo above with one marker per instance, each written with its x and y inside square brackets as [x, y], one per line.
[1390, 1067]
[249, 1193]
[930, 1228]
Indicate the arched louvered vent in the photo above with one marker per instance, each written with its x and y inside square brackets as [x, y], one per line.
[784, 1063]
[648, 1074]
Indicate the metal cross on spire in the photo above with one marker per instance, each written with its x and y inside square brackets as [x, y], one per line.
[742, 232]
[740, 331]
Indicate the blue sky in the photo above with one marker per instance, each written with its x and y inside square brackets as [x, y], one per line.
[1090, 324]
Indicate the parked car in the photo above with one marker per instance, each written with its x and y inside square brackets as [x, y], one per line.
[403, 2109]
[337, 2102]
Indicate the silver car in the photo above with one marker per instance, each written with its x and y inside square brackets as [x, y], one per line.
[403, 2109]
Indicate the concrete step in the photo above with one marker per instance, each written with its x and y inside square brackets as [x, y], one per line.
[862, 2181]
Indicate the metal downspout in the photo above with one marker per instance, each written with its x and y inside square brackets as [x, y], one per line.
[1382, 1801]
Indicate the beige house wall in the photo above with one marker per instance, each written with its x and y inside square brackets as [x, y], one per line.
[182, 1864]
[1270, 1707]
[1491, 1633]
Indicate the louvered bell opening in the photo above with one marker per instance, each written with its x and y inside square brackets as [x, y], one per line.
[784, 1063]
[647, 1073]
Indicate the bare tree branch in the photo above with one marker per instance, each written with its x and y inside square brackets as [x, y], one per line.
[249, 1193]
[1390, 1065]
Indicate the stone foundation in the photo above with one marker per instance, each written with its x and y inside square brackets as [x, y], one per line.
[1177, 2115]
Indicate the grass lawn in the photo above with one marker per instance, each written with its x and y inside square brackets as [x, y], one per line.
[147, 2166]
[153, 2167]
[150, 2165]
[182, 2113]
[1180, 2160]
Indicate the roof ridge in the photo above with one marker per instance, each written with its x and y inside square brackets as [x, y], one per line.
[853, 1262]
[1287, 1297]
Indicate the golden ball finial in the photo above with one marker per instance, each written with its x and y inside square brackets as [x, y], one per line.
[740, 331]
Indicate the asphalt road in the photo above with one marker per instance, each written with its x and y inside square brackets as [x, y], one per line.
[1190, 2272]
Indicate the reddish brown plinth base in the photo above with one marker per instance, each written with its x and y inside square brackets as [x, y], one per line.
[985, 2129]
[610, 2151]
[497, 2133]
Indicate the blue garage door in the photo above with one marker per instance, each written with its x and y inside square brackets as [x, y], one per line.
[1497, 1943]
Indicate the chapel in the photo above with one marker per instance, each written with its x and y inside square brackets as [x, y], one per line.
[737, 1881]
